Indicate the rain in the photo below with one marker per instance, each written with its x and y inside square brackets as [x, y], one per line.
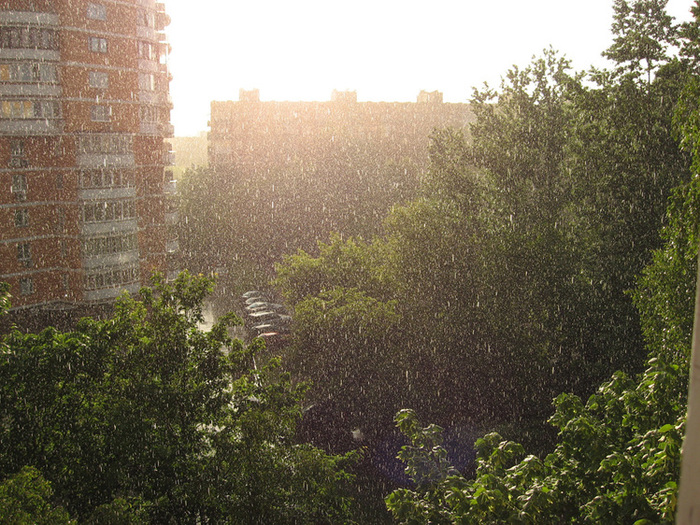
[284, 264]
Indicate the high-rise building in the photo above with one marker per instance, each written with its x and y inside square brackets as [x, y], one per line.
[85, 189]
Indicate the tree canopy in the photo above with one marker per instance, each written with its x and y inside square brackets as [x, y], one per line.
[148, 416]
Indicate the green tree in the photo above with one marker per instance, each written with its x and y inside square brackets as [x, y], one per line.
[616, 460]
[145, 415]
[346, 343]
[643, 33]
[25, 499]
[617, 456]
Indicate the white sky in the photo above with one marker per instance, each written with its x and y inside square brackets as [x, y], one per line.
[386, 50]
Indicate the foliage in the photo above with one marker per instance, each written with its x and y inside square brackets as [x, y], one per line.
[146, 416]
[346, 341]
[255, 218]
[511, 273]
[643, 33]
[345, 263]
[25, 500]
[616, 461]
[617, 457]
[665, 295]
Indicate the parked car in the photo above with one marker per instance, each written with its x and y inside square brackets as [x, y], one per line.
[254, 306]
[264, 316]
[256, 299]
[273, 307]
[281, 323]
[251, 293]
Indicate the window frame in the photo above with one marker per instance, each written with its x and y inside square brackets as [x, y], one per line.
[98, 79]
[18, 186]
[24, 254]
[101, 113]
[96, 11]
[26, 286]
[21, 218]
[98, 44]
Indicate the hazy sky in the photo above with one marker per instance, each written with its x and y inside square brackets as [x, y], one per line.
[386, 50]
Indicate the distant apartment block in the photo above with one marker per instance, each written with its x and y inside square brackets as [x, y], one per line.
[251, 135]
[86, 207]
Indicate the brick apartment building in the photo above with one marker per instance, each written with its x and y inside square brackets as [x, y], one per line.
[85, 207]
[252, 135]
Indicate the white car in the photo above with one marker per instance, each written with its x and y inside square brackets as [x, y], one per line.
[256, 299]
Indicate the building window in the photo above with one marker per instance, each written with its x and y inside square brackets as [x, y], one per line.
[96, 12]
[17, 109]
[97, 246]
[29, 109]
[17, 148]
[28, 72]
[105, 144]
[21, 218]
[147, 51]
[149, 114]
[98, 45]
[108, 211]
[112, 277]
[147, 82]
[19, 186]
[98, 79]
[100, 113]
[17, 155]
[28, 38]
[26, 286]
[106, 178]
[24, 254]
[147, 18]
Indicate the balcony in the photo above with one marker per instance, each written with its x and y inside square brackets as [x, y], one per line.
[111, 259]
[30, 127]
[109, 227]
[100, 160]
[170, 188]
[162, 18]
[148, 128]
[107, 294]
[107, 193]
[30, 90]
[28, 18]
[168, 131]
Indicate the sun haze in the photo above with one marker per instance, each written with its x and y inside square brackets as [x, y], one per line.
[386, 50]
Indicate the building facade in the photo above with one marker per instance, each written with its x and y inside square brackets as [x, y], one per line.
[85, 191]
[251, 135]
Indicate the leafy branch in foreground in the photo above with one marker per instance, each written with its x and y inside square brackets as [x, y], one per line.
[616, 461]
